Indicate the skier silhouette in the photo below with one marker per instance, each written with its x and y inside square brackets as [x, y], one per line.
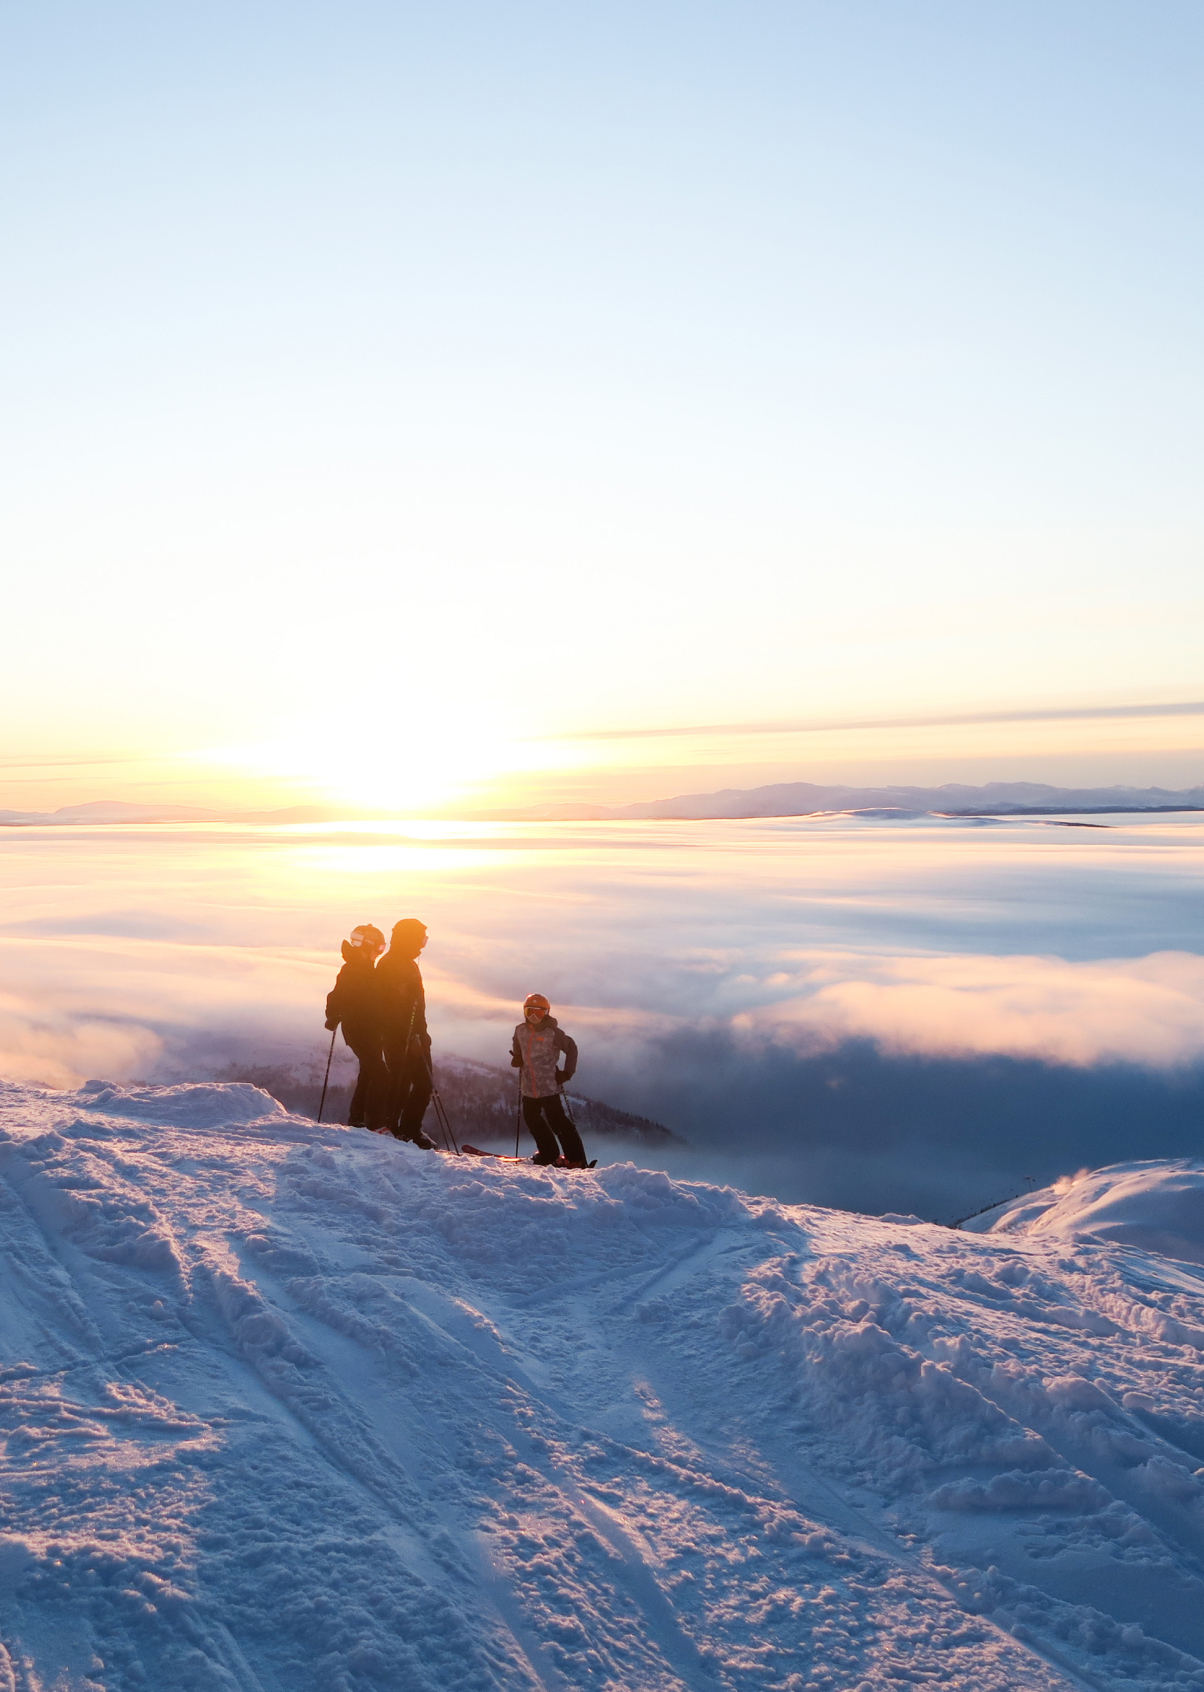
[407, 1044]
[353, 1002]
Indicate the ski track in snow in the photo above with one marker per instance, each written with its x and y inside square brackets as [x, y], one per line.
[288, 1408]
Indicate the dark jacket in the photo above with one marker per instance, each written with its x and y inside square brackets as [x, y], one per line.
[535, 1051]
[353, 1000]
[402, 1001]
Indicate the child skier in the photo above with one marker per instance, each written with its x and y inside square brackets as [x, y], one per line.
[538, 1040]
[353, 1002]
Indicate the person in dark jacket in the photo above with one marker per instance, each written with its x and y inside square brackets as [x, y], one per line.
[352, 1002]
[538, 1044]
[407, 1044]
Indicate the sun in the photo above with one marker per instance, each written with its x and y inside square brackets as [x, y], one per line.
[406, 763]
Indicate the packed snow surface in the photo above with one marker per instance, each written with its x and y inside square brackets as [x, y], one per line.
[289, 1408]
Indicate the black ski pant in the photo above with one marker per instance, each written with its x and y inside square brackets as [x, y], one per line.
[369, 1106]
[549, 1122]
[410, 1089]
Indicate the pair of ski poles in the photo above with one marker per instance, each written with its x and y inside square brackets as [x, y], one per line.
[441, 1116]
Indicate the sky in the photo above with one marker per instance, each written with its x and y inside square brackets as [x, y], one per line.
[881, 1015]
[403, 405]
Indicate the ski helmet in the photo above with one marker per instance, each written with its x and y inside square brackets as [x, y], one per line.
[536, 1001]
[369, 937]
[409, 936]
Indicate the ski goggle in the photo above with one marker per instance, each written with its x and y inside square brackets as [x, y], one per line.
[370, 937]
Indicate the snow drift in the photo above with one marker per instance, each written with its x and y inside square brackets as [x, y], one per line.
[1156, 1206]
[287, 1408]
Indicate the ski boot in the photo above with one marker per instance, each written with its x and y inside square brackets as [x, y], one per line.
[417, 1138]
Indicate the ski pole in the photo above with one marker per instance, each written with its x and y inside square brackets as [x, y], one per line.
[441, 1116]
[518, 1120]
[395, 1082]
[322, 1104]
[444, 1120]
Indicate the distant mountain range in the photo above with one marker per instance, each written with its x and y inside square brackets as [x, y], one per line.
[784, 799]
[804, 798]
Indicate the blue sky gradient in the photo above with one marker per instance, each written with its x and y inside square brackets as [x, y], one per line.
[602, 367]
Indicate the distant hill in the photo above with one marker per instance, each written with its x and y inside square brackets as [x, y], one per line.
[481, 1101]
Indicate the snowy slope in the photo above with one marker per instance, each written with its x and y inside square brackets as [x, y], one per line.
[1158, 1206]
[294, 1409]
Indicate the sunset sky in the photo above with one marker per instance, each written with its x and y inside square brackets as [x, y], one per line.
[409, 407]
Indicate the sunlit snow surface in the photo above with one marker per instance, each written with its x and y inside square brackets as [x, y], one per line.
[289, 1408]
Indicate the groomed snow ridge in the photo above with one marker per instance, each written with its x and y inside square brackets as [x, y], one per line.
[289, 1408]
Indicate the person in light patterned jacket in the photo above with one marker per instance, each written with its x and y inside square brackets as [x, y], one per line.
[538, 1042]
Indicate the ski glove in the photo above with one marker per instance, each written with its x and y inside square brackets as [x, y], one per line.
[332, 1025]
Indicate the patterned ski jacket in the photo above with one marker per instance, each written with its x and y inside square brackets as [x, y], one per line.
[535, 1052]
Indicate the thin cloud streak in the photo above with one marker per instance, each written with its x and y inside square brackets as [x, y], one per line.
[960, 719]
[85, 763]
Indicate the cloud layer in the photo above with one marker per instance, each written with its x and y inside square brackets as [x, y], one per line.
[1147, 1010]
[829, 999]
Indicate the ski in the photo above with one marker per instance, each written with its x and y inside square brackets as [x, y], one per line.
[504, 1157]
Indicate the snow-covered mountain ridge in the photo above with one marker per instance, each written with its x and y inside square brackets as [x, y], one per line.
[294, 1409]
[806, 798]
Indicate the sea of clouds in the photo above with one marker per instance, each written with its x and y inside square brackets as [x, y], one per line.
[872, 1013]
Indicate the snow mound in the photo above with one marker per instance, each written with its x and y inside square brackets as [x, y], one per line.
[1155, 1206]
[200, 1105]
[288, 1406]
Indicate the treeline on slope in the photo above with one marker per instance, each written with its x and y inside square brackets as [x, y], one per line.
[481, 1099]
